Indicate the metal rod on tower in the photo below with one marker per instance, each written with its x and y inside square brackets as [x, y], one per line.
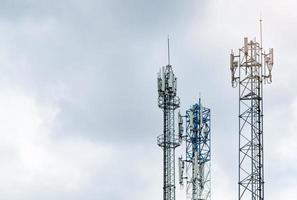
[168, 47]
[261, 33]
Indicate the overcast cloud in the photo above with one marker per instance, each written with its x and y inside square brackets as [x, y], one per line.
[78, 100]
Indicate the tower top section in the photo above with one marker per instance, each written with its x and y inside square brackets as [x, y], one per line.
[167, 85]
[252, 60]
[167, 81]
[251, 57]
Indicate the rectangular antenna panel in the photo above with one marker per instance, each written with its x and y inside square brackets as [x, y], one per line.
[191, 119]
[170, 81]
[245, 45]
[231, 61]
[180, 170]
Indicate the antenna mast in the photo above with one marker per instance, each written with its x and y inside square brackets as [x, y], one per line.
[249, 69]
[198, 152]
[168, 101]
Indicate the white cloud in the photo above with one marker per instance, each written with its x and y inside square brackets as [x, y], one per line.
[34, 161]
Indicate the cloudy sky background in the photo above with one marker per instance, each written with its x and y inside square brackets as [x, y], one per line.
[78, 98]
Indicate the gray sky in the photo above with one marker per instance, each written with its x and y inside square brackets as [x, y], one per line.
[78, 98]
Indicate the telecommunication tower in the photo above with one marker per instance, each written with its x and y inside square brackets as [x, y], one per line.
[168, 101]
[195, 168]
[250, 68]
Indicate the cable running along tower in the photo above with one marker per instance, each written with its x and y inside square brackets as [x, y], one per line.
[168, 101]
[198, 152]
[250, 68]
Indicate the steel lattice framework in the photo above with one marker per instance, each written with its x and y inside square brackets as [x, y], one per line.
[198, 154]
[168, 101]
[250, 69]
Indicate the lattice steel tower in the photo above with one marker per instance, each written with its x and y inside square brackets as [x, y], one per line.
[197, 158]
[168, 101]
[249, 70]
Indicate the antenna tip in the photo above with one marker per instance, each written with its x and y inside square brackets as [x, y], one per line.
[168, 50]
